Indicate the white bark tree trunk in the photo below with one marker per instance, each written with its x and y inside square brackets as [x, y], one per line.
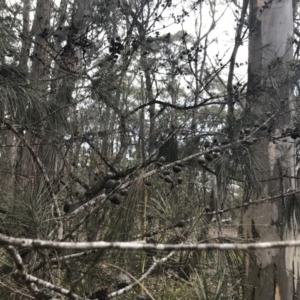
[272, 274]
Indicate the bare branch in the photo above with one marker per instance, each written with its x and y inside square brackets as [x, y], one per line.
[31, 281]
[42, 244]
[53, 287]
[21, 270]
[143, 277]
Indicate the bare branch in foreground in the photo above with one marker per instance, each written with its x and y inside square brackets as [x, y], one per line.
[42, 244]
[53, 287]
[21, 270]
[143, 277]
[31, 281]
[101, 198]
[112, 295]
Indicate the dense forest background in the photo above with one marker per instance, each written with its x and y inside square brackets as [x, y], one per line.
[152, 122]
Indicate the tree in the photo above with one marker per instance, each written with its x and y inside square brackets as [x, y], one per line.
[272, 102]
[118, 125]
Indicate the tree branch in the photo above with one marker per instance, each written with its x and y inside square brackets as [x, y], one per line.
[42, 244]
[143, 277]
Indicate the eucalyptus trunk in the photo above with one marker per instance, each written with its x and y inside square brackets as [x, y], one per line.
[25, 167]
[274, 273]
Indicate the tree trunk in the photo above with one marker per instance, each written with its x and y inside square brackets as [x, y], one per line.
[271, 274]
[25, 35]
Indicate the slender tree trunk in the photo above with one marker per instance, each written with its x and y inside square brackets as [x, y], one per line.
[272, 274]
[24, 164]
[25, 35]
[142, 147]
[40, 63]
[150, 98]
[106, 127]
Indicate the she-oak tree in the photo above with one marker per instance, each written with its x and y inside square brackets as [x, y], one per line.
[115, 128]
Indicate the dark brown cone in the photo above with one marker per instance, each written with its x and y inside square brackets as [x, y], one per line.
[115, 199]
[177, 169]
[101, 294]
